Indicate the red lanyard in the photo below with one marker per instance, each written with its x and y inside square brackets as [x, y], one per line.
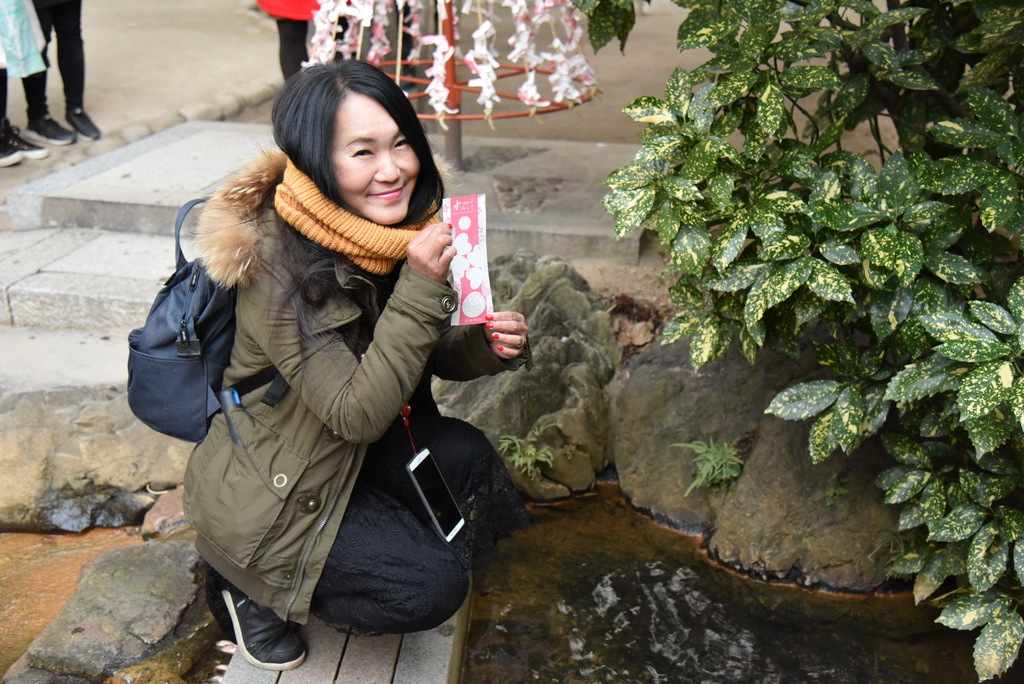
[406, 410]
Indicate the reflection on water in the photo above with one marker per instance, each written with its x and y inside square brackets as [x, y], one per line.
[596, 592]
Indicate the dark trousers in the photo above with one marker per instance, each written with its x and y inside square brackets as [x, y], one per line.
[292, 50]
[65, 22]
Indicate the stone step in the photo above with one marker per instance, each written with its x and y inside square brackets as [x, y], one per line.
[91, 245]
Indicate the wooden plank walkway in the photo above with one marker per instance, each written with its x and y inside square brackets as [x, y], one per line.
[430, 657]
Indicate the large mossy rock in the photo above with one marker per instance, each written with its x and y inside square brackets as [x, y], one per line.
[785, 517]
[575, 353]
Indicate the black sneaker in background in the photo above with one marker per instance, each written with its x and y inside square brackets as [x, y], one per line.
[10, 136]
[81, 122]
[48, 132]
[8, 155]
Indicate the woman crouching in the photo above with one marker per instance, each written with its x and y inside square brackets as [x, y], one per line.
[299, 494]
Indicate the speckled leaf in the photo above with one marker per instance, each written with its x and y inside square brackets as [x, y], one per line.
[737, 276]
[1015, 300]
[771, 108]
[702, 110]
[690, 249]
[947, 326]
[911, 80]
[998, 644]
[882, 55]
[826, 189]
[820, 442]
[667, 220]
[964, 133]
[678, 91]
[944, 562]
[986, 488]
[876, 409]
[1016, 400]
[804, 400]
[961, 523]
[860, 176]
[631, 177]
[1011, 523]
[898, 189]
[993, 317]
[933, 501]
[702, 160]
[606, 21]
[847, 416]
[955, 175]
[888, 312]
[704, 27]
[804, 79]
[1018, 559]
[874, 28]
[905, 450]
[681, 326]
[630, 207]
[846, 216]
[650, 110]
[658, 150]
[732, 87]
[827, 282]
[783, 246]
[720, 188]
[728, 243]
[989, 432]
[910, 562]
[908, 485]
[953, 268]
[782, 281]
[681, 189]
[967, 611]
[972, 350]
[993, 110]
[924, 212]
[704, 342]
[999, 202]
[984, 388]
[839, 253]
[986, 559]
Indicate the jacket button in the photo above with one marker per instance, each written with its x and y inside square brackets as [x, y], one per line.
[288, 576]
[309, 503]
[448, 304]
[332, 435]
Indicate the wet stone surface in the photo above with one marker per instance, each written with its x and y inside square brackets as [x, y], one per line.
[596, 592]
[525, 195]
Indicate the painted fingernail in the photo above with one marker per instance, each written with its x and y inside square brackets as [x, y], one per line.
[495, 336]
[500, 348]
[490, 325]
[490, 317]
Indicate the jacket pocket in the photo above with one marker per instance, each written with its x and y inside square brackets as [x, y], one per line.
[240, 501]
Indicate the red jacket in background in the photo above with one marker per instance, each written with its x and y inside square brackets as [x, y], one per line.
[302, 10]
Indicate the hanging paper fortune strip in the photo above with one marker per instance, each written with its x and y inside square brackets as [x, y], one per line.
[551, 76]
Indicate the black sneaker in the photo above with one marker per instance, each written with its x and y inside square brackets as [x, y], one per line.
[48, 132]
[264, 639]
[81, 122]
[8, 155]
[9, 135]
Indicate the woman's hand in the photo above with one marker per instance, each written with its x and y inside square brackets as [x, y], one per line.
[506, 333]
[431, 251]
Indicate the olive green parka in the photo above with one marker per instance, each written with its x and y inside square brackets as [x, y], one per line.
[267, 513]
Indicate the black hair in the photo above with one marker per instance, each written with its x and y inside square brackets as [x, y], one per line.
[303, 121]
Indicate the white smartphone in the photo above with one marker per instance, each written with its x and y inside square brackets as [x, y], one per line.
[430, 485]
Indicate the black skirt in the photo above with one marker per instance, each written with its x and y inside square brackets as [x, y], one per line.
[389, 570]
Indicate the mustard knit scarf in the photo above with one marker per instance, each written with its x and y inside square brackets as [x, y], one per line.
[373, 247]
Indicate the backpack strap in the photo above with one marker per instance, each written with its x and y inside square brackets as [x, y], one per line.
[179, 256]
[269, 374]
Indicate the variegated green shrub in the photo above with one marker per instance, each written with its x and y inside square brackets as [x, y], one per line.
[778, 217]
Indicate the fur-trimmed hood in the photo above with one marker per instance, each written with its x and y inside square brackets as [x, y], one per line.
[230, 232]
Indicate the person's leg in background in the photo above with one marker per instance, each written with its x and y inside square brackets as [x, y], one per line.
[67, 27]
[41, 126]
[14, 148]
[292, 51]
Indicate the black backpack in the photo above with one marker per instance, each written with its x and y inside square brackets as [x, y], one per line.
[176, 360]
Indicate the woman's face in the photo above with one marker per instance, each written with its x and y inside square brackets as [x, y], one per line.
[374, 164]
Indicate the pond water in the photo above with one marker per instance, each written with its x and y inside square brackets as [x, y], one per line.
[597, 592]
